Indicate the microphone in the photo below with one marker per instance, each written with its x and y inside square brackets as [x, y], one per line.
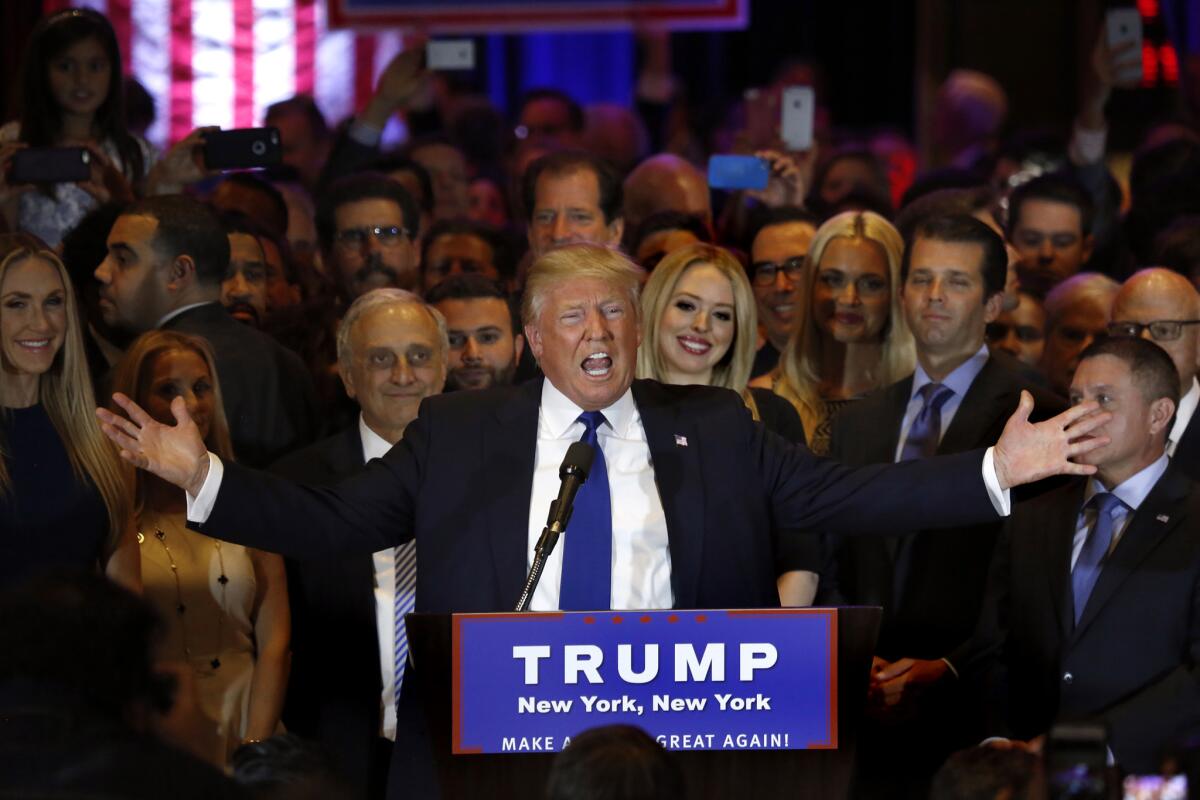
[572, 474]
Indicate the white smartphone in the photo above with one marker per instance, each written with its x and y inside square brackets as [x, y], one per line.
[796, 125]
[1123, 26]
[449, 54]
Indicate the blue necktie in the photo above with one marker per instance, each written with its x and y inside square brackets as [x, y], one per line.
[587, 544]
[923, 437]
[926, 429]
[406, 600]
[1095, 549]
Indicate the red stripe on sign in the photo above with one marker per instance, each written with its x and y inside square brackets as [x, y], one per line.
[51, 6]
[119, 16]
[181, 69]
[306, 46]
[364, 70]
[243, 63]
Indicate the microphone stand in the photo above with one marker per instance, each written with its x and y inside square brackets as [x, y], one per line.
[541, 552]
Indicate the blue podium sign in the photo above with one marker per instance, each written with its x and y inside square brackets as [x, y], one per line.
[489, 16]
[695, 680]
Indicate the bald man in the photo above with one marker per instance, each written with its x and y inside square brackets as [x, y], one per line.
[1152, 304]
[666, 182]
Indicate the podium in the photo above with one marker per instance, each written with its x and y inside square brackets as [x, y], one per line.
[813, 773]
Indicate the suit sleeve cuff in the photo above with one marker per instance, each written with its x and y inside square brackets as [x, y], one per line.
[950, 667]
[200, 507]
[1001, 498]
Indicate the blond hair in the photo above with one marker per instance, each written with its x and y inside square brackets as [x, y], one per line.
[135, 370]
[800, 364]
[576, 262]
[65, 392]
[733, 369]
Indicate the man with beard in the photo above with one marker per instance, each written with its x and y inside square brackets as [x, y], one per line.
[484, 344]
[244, 288]
[367, 225]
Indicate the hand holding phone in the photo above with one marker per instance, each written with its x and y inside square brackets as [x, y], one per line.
[796, 123]
[737, 172]
[242, 148]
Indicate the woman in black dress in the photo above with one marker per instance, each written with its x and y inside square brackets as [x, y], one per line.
[65, 497]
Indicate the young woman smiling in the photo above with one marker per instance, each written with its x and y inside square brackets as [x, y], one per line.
[64, 496]
[226, 606]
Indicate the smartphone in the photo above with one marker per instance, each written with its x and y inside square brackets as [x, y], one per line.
[242, 148]
[450, 54]
[50, 165]
[1156, 787]
[796, 124]
[1124, 26]
[737, 172]
[1077, 761]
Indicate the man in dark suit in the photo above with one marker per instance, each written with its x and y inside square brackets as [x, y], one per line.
[1093, 604]
[167, 256]
[699, 490]
[1163, 306]
[340, 692]
[930, 583]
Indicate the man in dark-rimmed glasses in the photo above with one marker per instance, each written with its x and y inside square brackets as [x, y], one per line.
[1163, 306]
[777, 264]
[367, 227]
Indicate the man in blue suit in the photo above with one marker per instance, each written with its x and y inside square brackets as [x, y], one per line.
[1093, 604]
[695, 489]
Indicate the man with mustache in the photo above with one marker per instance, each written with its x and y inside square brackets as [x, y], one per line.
[367, 225]
[166, 258]
[244, 288]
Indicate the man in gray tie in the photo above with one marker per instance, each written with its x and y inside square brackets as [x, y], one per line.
[348, 612]
[930, 583]
[1093, 604]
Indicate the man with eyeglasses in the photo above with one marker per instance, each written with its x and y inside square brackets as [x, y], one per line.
[367, 225]
[777, 254]
[1164, 306]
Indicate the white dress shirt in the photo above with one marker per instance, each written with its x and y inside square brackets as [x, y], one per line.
[641, 559]
[1183, 415]
[1132, 493]
[375, 446]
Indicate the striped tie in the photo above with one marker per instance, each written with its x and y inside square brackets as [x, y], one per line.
[406, 600]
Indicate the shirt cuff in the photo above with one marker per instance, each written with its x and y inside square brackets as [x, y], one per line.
[1001, 498]
[200, 507]
[950, 667]
[1087, 144]
[365, 134]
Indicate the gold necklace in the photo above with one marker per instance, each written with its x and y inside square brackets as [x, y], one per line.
[181, 607]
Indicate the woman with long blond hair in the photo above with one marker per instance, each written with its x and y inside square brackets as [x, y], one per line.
[852, 337]
[226, 606]
[698, 327]
[65, 497]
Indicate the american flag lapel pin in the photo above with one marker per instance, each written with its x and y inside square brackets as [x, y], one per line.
[680, 441]
[1163, 518]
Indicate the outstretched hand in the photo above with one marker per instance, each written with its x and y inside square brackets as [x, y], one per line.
[1028, 452]
[175, 453]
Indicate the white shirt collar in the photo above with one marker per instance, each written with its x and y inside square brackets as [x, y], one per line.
[559, 413]
[373, 445]
[1184, 413]
[170, 315]
[960, 378]
[1133, 491]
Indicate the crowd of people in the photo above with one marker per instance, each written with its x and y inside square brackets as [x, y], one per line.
[245, 333]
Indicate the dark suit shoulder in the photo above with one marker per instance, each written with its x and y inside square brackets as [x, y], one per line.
[778, 415]
[695, 398]
[325, 461]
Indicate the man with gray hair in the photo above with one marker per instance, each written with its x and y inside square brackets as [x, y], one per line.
[348, 645]
[687, 517]
[1077, 313]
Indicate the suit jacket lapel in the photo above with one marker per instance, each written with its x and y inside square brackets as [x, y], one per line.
[989, 397]
[511, 444]
[1141, 536]
[1059, 539]
[679, 478]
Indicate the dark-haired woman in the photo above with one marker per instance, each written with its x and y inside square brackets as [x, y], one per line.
[71, 96]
